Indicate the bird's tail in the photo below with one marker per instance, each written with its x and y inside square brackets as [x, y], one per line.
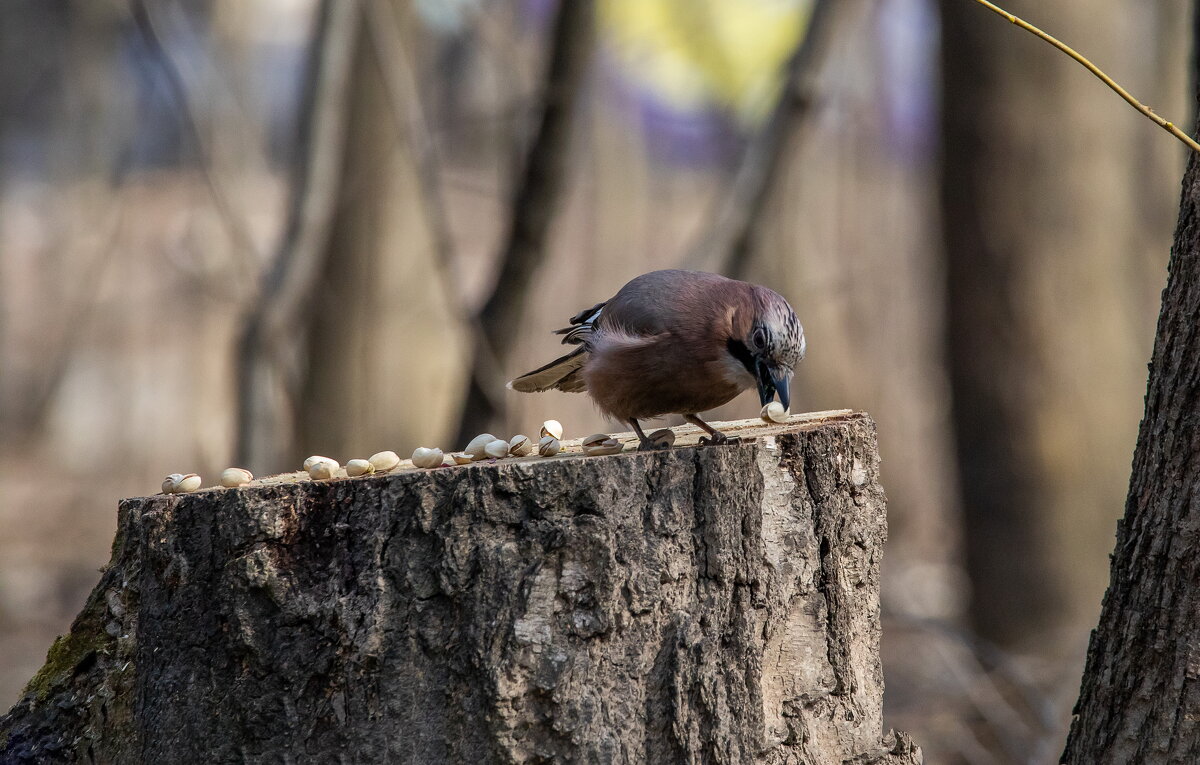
[564, 373]
[583, 324]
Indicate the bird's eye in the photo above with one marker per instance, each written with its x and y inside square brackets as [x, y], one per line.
[759, 338]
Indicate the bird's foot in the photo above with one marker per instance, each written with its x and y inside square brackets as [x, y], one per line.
[718, 439]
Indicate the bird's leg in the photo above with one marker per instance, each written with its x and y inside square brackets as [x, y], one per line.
[647, 445]
[716, 436]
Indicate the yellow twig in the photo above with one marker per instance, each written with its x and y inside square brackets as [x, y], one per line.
[1136, 104]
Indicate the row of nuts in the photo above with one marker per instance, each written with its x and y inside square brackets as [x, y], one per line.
[600, 444]
[482, 447]
[183, 483]
[323, 468]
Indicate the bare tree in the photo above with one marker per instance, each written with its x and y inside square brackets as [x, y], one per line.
[269, 353]
[1140, 696]
[727, 244]
[535, 203]
[61, 82]
[384, 351]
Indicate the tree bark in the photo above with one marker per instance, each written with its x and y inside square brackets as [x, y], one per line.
[1140, 695]
[713, 604]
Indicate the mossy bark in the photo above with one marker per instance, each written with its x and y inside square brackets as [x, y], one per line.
[713, 604]
[79, 707]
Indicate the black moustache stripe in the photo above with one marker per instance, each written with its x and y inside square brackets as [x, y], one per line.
[739, 351]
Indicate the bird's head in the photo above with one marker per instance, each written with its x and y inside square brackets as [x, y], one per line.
[774, 344]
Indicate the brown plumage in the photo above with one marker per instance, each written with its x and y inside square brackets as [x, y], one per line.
[676, 342]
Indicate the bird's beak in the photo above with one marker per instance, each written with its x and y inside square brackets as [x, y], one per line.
[772, 379]
[783, 382]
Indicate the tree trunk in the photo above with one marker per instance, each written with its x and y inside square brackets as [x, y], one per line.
[1046, 310]
[538, 196]
[1140, 696]
[269, 351]
[378, 333]
[713, 604]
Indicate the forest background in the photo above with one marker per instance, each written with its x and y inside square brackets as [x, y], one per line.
[237, 232]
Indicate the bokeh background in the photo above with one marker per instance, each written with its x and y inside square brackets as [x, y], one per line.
[240, 232]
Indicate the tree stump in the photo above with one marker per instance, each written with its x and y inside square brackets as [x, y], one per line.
[704, 604]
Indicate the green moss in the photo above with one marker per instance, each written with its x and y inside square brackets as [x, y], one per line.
[67, 653]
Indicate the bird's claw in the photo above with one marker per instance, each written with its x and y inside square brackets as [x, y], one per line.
[719, 439]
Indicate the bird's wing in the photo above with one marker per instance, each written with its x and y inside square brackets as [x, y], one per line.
[646, 307]
[582, 325]
[564, 373]
[573, 382]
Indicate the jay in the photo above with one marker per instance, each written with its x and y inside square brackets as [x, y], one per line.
[676, 342]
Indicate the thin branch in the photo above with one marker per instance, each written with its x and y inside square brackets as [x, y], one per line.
[226, 85]
[726, 245]
[541, 182]
[408, 114]
[57, 352]
[242, 241]
[1136, 104]
[268, 343]
[537, 198]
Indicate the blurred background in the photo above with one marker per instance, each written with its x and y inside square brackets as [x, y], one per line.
[243, 232]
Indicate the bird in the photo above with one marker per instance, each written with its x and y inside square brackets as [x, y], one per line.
[676, 342]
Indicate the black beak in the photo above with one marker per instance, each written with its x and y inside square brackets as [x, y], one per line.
[771, 380]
